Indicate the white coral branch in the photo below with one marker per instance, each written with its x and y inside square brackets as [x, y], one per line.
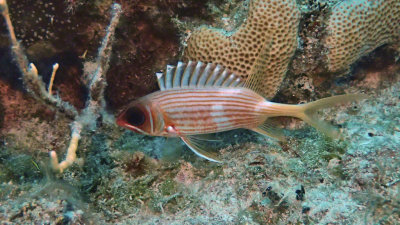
[71, 151]
[96, 100]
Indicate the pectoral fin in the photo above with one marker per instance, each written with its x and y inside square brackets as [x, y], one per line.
[200, 148]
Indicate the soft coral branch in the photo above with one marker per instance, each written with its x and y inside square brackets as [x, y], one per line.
[30, 76]
[96, 85]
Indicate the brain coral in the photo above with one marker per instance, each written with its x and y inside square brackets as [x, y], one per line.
[357, 27]
[263, 45]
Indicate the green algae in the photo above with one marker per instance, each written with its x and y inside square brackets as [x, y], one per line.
[318, 150]
[168, 187]
[17, 167]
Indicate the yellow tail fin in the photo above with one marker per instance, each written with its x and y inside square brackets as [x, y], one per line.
[308, 111]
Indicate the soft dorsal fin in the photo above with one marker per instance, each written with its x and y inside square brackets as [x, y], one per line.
[197, 74]
[258, 79]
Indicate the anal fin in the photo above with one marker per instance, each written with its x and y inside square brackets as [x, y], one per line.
[198, 146]
[268, 129]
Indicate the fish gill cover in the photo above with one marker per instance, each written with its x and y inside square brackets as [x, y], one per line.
[348, 46]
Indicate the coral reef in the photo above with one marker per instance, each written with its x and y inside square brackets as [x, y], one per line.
[357, 27]
[125, 178]
[263, 44]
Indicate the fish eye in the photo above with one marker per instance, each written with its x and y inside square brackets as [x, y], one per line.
[135, 116]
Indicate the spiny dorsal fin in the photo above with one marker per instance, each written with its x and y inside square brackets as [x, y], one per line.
[197, 74]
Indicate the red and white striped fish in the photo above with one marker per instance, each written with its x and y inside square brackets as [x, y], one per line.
[197, 98]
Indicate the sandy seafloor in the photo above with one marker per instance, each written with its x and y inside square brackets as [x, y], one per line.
[126, 178]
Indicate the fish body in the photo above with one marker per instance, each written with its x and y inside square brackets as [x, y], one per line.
[200, 99]
[193, 111]
[209, 110]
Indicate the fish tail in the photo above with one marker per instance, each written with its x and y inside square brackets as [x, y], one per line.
[308, 112]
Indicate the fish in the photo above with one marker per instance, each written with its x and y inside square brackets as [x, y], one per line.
[198, 98]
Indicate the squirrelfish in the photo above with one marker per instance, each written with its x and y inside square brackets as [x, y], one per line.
[197, 98]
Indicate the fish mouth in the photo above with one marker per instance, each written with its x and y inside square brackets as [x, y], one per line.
[121, 121]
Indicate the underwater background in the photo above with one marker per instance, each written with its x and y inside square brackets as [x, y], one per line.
[107, 53]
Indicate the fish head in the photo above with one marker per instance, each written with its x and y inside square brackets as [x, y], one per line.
[143, 117]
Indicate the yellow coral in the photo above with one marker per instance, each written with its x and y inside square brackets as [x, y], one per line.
[357, 27]
[262, 45]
